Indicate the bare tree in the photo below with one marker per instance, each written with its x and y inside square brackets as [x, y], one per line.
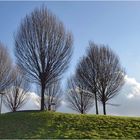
[16, 96]
[88, 74]
[53, 96]
[43, 48]
[78, 97]
[103, 71]
[6, 73]
[111, 74]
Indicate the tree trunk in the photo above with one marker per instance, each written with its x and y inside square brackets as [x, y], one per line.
[49, 107]
[1, 104]
[104, 108]
[82, 111]
[14, 109]
[42, 97]
[96, 104]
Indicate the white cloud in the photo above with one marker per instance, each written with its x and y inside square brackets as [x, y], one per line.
[133, 86]
[128, 98]
[32, 103]
[63, 102]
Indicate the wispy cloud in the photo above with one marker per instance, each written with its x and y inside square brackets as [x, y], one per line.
[133, 87]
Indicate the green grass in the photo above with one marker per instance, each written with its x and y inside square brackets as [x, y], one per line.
[61, 125]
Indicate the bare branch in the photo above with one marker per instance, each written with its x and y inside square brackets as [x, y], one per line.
[6, 71]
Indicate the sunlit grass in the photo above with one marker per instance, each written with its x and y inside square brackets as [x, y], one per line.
[61, 125]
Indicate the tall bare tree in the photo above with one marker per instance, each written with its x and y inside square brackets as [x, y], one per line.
[16, 96]
[103, 71]
[6, 71]
[110, 74]
[78, 96]
[43, 48]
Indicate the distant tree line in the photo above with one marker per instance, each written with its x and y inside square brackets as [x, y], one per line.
[43, 48]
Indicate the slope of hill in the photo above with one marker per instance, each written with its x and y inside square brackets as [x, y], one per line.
[60, 125]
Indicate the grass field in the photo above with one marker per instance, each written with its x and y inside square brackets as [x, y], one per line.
[61, 125]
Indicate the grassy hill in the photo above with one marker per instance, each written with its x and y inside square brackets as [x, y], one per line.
[60, 125]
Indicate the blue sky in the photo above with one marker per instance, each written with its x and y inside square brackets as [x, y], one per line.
[116, 24]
